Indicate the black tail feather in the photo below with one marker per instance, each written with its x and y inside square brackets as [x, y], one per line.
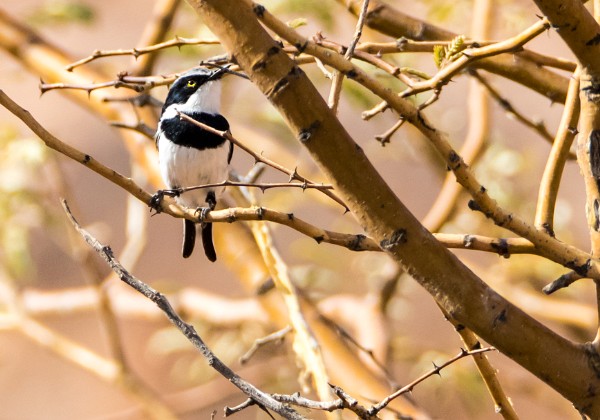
[189, 238]
[207, 242]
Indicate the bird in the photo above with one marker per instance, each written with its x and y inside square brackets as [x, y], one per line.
[188, 155]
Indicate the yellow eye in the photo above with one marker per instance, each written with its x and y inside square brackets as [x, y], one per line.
[191, 83]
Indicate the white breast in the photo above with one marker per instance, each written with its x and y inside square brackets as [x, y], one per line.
[186, 167]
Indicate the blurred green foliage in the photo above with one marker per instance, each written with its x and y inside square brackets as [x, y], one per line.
[58, 12]
[314, 8]
[20, 199]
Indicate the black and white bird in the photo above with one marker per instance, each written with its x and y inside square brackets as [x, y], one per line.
[189, 155]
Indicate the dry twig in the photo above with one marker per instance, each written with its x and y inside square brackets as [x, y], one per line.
[186, 329]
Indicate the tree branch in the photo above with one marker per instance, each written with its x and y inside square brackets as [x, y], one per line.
[517, 67]
[136, 52]
[560, 152]
[464, 296]
[186, 329]
[552, 248]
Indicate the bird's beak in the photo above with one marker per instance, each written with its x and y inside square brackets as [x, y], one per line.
[221, 70]
[218, 73]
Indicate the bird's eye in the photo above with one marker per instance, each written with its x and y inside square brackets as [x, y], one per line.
[191, 83]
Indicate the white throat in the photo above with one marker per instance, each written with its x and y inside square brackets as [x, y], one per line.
[207, 98]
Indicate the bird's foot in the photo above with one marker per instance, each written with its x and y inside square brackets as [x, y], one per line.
[158, 197]
[202, 212]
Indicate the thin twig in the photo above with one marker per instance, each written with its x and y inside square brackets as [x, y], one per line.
[471, 54]
[377, 109]
[563, 281]
[344, 401]
[186, 329]
[435, 371]
[537, 126]
[140, 127]
[155, 31]
[137, 83]
[338, 77]
[277, 336]
[136, 52]
[262, 186]
[45, 87]
[385, 137]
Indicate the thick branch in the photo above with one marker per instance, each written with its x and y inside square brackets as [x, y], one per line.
[577, 27]
[462, 294]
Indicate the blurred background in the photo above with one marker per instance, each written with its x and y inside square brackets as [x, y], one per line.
[69, 329]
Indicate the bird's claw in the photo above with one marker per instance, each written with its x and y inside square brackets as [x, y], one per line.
[158, 197]
[202, 212]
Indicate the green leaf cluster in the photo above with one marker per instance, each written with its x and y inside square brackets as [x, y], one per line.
[444, 54]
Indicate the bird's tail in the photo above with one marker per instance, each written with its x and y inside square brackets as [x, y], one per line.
[207, 242]
[189, 238]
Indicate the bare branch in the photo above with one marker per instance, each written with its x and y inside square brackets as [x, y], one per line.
[136, 52]
[563, 281]
[261, 186]
[537, 126]
[552, 248]
[550, 182]
[338, 77]
[471, 54]
[435, 371]
[521, 67]
[277, 336]
[186, 329]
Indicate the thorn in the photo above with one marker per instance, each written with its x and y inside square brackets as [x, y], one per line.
[437, 369]
[41, 86]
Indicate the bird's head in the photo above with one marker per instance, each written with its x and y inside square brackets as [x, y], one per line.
[198, 90]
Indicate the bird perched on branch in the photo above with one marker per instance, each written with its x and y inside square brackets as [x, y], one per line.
[189, 155]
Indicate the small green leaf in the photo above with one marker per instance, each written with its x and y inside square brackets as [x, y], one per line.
[296, 23]
[439, 55]
[455, 47]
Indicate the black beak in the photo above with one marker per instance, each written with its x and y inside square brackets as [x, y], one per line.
[221, 70]
[218, 73]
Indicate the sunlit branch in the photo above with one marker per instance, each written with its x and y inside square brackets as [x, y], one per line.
[569, 255]
[560, 152]
[136, 52]
[338, 77]
[471, 54]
